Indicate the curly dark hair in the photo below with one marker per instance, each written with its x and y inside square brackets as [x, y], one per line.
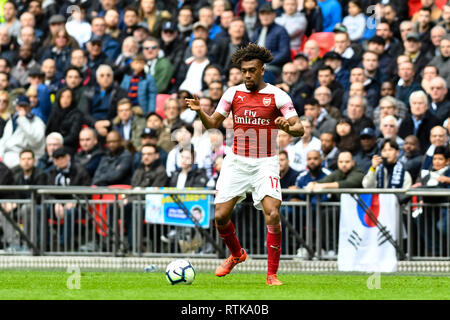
[250, 52]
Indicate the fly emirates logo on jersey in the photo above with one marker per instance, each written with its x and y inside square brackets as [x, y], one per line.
[250, 117]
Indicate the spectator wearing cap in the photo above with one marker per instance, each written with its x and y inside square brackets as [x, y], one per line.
[90, 152]
[160, 68]
[66, 119]
[418, 57]
[314, 17]
[199, 31]
[420, 121]
[140, 33]
[173, 44]
[441, 61]
[369, 148]
[377, 44]
[341, 73]
[294, 22]
[43, 105]
[99, 104]
[129, 122]
[23, 130]
[149, 136]
[274, 37]
[332, 14]
[355, 21]
[141, 86]
[115, 166]
[10, 19]
[24, 63]
[305, 73]
[294, 86]
[66, 173]
[386, 171]
[110, 46]
[95, 56]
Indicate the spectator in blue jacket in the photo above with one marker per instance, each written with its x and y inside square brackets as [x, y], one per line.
[141, 86]
[39, 91]
[332, 14]
[274, 37]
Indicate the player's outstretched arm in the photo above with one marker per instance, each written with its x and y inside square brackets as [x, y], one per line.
[209, 122]
[293, 126]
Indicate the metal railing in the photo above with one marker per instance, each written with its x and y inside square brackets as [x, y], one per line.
[95, 224]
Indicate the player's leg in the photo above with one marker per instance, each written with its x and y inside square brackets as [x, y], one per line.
[227, 232]
[271, 208]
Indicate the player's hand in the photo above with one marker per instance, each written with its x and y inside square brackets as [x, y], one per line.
[282, 124]
[193, 104]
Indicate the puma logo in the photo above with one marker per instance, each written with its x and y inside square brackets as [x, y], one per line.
[275, 247]
[242, 98]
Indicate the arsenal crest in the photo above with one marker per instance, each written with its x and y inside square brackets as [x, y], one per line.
[267, 101]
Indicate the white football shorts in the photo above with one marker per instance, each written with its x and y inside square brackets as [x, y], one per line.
[240, 174]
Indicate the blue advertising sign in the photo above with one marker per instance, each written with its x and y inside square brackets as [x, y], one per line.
[162, 209]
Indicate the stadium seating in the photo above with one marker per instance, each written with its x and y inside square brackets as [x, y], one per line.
[160, 101]
[325, 41]
[101, 218]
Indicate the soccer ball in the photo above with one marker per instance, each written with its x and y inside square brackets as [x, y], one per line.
[180, 272]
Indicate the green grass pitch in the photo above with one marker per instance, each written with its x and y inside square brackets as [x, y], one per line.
[48, 285]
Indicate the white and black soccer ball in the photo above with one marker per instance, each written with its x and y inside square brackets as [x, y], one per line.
[180, 271]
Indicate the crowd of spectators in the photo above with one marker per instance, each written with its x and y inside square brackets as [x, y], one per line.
[84, 88]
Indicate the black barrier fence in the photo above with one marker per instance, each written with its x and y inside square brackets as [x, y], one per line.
[111, 222]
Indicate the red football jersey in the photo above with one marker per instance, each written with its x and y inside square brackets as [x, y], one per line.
[254, 113]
